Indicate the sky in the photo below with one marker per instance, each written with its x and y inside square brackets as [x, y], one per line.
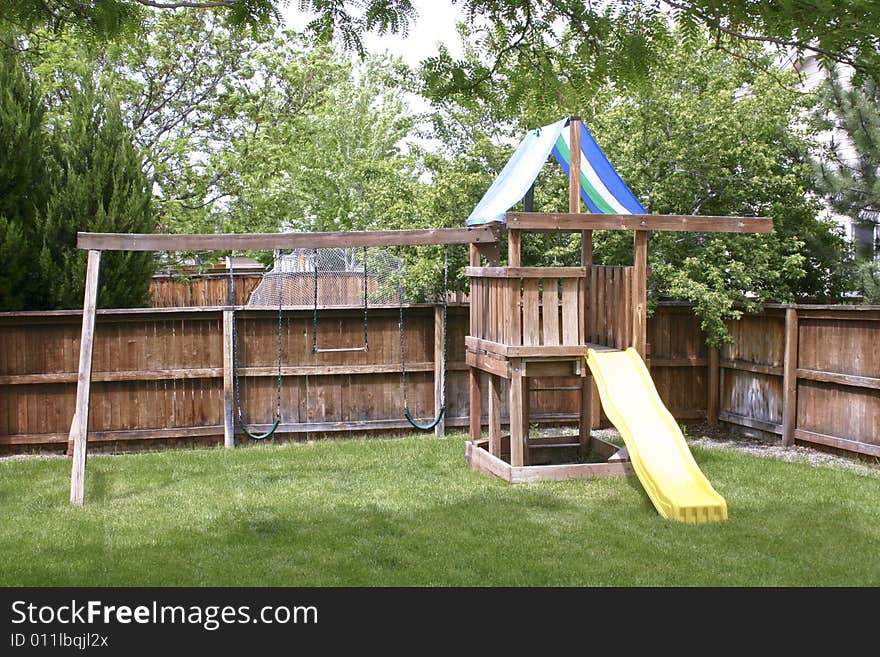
[434, 24]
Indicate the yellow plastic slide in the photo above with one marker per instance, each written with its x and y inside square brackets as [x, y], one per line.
[656, 447]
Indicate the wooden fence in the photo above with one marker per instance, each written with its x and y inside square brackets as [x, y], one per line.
[810, 374]
[202, 290]
[159, 374]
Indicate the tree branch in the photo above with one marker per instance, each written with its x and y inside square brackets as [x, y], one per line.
[192, 4]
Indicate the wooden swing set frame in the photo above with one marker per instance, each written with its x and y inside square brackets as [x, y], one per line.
[484, 241]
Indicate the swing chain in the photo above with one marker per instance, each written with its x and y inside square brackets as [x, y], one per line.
[366, 319]
[315, 304]
[235, 368]
[442, 410]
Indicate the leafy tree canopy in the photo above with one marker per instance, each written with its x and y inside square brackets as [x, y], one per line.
[614, 35]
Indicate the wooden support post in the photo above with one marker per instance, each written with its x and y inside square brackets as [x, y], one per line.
[574, 187]
[714, 390]
[475, 381]
[79, 427]
[476, 403]
[440, 429]
[586, 412]
[789, 378]
[494, 415]
[640, 292]
[525, 413]
[474, 256]
[228, 381]
[514, 248]
[519, 451]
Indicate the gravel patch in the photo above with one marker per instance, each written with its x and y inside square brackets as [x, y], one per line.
[720, 438]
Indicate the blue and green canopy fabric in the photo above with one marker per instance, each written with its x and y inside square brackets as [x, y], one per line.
[602, 189]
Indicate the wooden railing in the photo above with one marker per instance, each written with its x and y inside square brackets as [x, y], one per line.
[528, 306]
[610, 306]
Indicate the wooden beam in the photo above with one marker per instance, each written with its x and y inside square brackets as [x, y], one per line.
[486, 363]
[218, 372]
[640, 293]
[228, 380]
[519, 452]
[586, 415]
[851, 380]
[79, 427]
[756, 368]
[474, 256]
[475, 409]
[789, 378]
[714, 391]
[839, 443]
[481, 460]
[572, 222]
[570, 471]
[574, 187]
[526, 272]
[239, 241]
[514, 248]
[439, 374]
[494, 419]
[684, 361]
[752, 423]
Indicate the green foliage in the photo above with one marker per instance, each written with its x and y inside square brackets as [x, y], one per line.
[97, 184]
[336, 163]
[868, 281]
[848, 168]
[621, 41]
[707, 134]
[76, 170]
[22, 183]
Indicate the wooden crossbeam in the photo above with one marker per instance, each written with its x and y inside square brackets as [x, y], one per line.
[568, 221]
[239, 241]
[527, 272]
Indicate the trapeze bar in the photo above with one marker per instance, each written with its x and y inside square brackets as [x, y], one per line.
[339, 349]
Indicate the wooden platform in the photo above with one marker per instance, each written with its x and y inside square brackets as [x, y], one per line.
[616, 465]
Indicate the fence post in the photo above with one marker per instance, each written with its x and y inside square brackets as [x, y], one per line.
[79, 426]
[228, 381]
[714, 391]
[439, 337]
[789, 377]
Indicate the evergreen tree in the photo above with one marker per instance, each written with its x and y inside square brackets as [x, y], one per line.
[97, 184]
[849, 171]
[22, 184]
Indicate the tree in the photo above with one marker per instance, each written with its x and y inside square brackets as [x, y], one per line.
[612, 34]
[848, 169]
[619, 40]
[333, 163]
[22, 184]
[97, 184]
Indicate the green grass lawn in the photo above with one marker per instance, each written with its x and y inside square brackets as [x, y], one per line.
[410, 512]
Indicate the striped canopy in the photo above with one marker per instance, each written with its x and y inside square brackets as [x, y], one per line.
[602, 189]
